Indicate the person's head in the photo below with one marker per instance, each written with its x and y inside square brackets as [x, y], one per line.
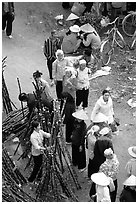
[106, 95]
[130, 182]
[132, 151]
[72, 19]
[23, 97]
[104, 131]
[37, 75]
[82, 64]
[76, 64]
[36, 125]
[60, 55]
[108, 153]
[80, 115]
[75, 29]
[53, 33]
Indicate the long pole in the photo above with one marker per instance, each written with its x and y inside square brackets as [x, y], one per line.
[20, 93]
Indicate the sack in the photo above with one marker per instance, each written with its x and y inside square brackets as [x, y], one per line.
[78, 8]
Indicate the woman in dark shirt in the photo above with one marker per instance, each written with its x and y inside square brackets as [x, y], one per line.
[78, 140]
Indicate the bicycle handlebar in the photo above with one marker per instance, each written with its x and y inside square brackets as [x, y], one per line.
[113, 22]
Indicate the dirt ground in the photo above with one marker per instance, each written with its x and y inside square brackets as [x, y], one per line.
[32, 25]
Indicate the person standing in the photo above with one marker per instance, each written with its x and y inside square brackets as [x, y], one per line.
[59, 66]
[78, 140]
[128, 194]
[51, 45]
[90, 142]
[101, 144]
[83, 85]
[71, 42]
[36, 139]
[131, 164]
[8, 16]
[42, 85]
[104, 105]
[111, 168]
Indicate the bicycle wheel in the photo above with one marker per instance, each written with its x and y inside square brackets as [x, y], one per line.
[119, 39]
[129, 24]
[106, 51]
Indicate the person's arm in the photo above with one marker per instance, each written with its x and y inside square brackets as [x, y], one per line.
[128, 169]
[45, 49]
[87, 42]
[95, 111]
[54, 69]
[46, 134]
[112, 110]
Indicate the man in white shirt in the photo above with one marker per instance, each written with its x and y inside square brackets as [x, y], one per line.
[37, 149]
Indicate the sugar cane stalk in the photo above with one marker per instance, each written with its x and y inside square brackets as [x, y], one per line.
[20, 93]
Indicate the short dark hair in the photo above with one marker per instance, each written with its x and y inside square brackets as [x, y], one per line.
[35, 124]
[22, 97]
[105, 91]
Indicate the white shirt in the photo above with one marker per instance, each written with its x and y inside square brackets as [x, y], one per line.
[83, 79]
[37, 141]
[103, 194]
[105, 108]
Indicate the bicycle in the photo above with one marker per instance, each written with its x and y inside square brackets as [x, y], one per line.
[107, 45]
[129, 24]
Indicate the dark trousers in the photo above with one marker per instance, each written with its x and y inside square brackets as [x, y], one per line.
[36, 169]
[113, 194]
[59, 89]
[82, 96]
[78, 158]
[7, 20]
[49, 65]
[69, 129]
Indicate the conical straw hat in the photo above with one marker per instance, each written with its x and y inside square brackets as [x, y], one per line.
[72, 16]
[132, 151]
[100, 179]
[87, 28]
[131, 181]
[80, 114]
[104, 131]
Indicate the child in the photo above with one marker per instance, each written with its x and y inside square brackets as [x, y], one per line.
[83, 85]
[102, 190]
[78, 140]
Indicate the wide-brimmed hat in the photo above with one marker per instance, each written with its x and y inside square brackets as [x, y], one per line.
[93, 129]
[72, 16]
[82, 61]
[87, 28]
[104, 131]
[100, 179]
[80, 114]
[100, 117]
[75, 29]
[108, 151]
[37, 74]
[131, 181]
[132, 151]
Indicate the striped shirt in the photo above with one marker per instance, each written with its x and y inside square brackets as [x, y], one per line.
[51, 45]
